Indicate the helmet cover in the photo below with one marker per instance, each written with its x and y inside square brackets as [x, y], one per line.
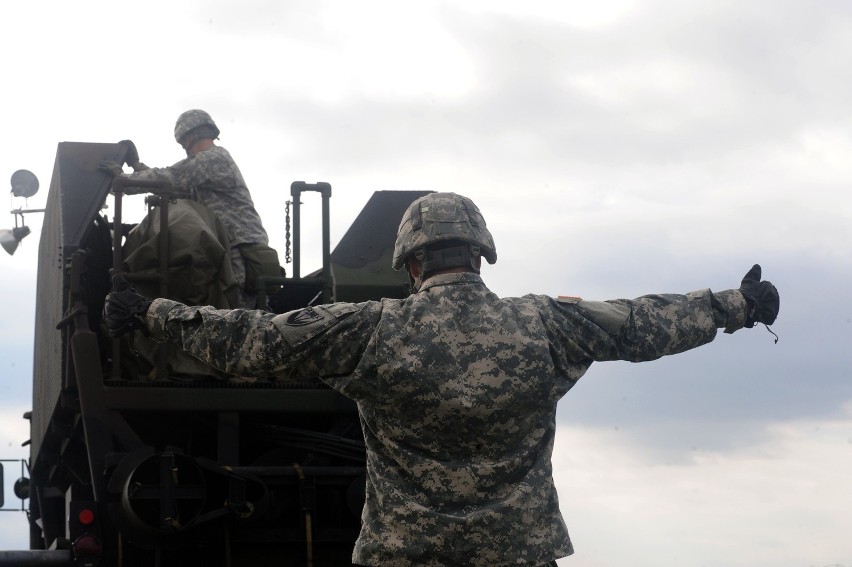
[190, 120]
[439, 217]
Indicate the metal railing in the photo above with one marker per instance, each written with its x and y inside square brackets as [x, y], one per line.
[21, 488]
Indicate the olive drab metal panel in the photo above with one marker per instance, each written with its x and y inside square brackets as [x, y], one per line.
[77, 192]
[361, 262]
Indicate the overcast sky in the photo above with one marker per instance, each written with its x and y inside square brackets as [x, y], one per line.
[616, 148]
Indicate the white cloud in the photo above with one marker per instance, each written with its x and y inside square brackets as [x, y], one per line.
[616, 148]
[784, 501]
[19, 283]
[588, 15]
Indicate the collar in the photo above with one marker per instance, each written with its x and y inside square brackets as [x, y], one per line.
[451, 279]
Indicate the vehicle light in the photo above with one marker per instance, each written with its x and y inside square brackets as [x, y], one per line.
[87, 546]
[86, 517]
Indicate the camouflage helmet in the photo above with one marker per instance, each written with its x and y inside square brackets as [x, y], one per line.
[439, 217]
[190, 120]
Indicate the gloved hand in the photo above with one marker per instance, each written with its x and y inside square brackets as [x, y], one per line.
[111, 167]
[762, 298]
[131, 156]
[124, 308]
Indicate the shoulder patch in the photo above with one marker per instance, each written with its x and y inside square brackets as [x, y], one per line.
[297, 327]
[303, 317]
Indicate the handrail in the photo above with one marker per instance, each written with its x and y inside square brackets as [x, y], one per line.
[162, 193]
[324, 189]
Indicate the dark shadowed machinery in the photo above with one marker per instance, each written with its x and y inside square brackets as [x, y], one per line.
[133, 463]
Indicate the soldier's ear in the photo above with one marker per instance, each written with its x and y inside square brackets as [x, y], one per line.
[414, 267]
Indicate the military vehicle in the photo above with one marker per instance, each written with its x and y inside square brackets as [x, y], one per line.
[133, 463]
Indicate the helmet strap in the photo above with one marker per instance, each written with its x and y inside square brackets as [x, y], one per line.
[464, 256]
[415, 283]
[444, 258]
[205, 131]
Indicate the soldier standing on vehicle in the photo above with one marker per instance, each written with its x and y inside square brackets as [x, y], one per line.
[456, 388]
[210, 175]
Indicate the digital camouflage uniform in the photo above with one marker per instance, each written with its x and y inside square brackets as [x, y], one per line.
[457, 391]
[213, 178]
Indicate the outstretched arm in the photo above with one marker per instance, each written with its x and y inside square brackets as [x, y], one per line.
[652, 326]
[321, 341]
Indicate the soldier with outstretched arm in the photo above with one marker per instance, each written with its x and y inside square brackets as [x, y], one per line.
[456, 388]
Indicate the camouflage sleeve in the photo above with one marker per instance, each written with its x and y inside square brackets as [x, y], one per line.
[182, 177]
[321, 341]
[156, 174]
[648, 327]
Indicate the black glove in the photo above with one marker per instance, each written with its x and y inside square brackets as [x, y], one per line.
[131, 155]
[762, 298]
[124, 308]
[111, 167]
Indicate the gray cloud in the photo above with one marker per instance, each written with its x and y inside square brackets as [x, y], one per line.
[664, 150]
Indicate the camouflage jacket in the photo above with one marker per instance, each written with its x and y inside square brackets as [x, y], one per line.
[457, 391]
[213, 178]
